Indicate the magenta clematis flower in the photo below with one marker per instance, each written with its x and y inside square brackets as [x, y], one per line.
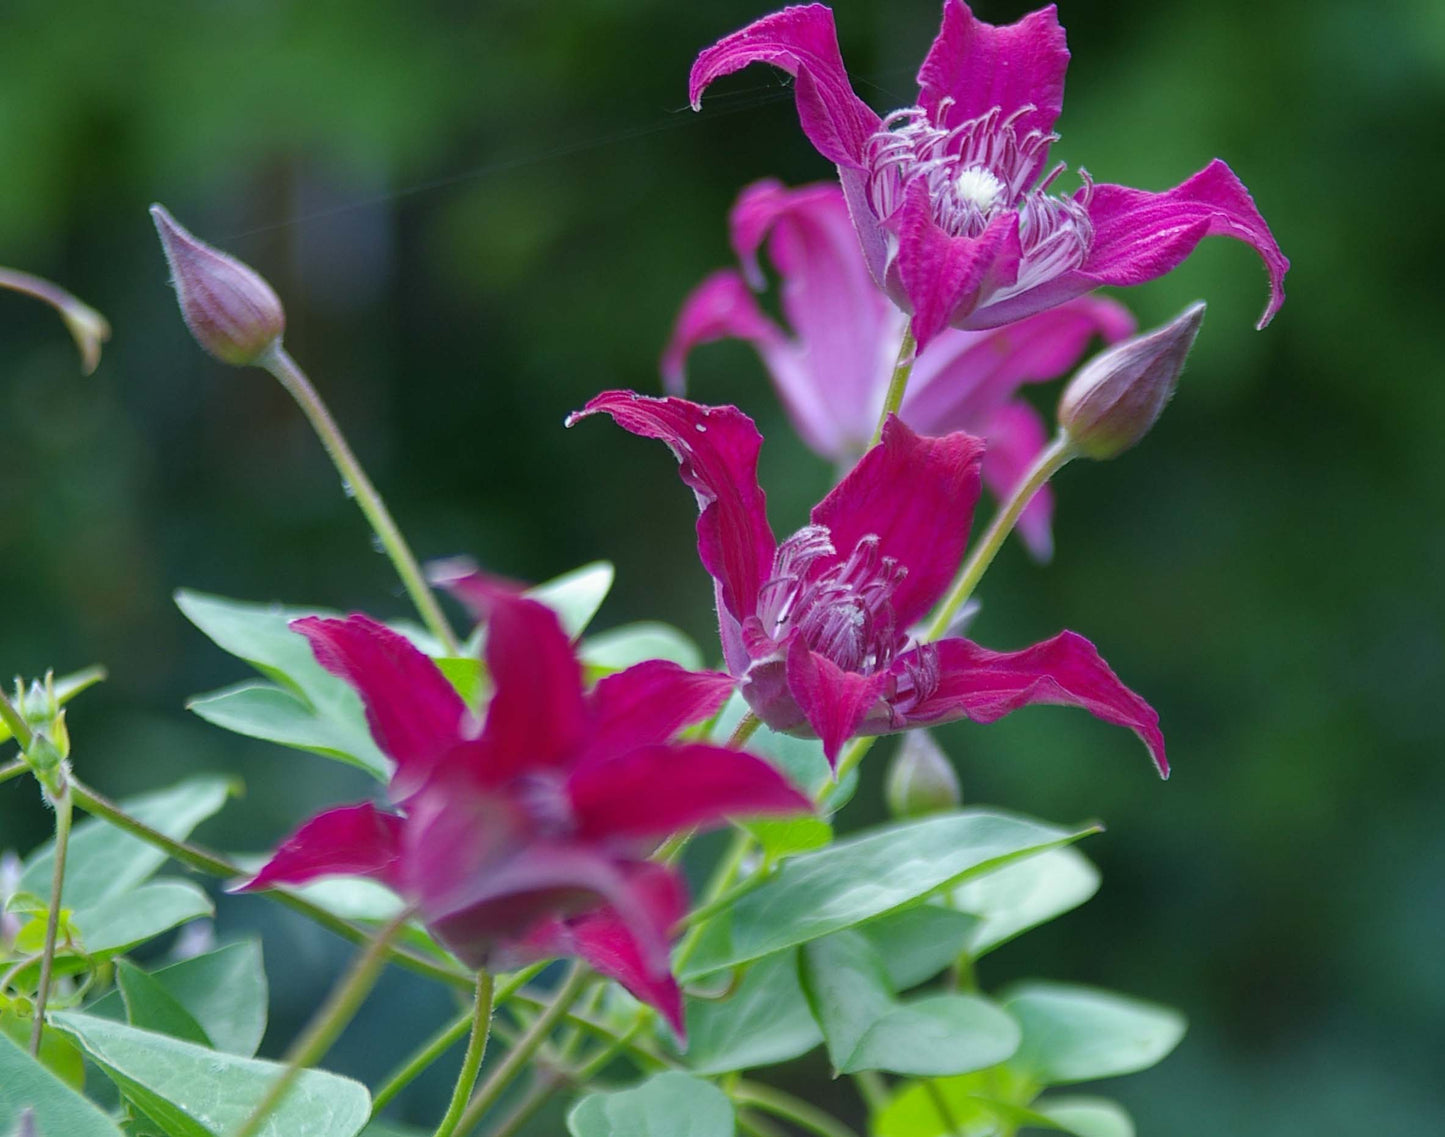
[833, 372]
[524, 835]
[816, 627]
[950, 197]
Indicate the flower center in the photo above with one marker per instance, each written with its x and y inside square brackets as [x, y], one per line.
[843, 609]
[975, 171]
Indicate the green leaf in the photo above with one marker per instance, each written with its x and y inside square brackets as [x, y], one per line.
[1074, 1034]
[635, 643]
[104, 862]
[223, 993]
[973, 1102]
[1023, 895]
[1087, 1116]
[324, 714]
[59, 1110]
[120, 923]
[58, 1054]
[917, 943]
[150, 1006]
[575, 596]
[190, 1091]
[866, 1028]
[667, 1105]
[781, 839]
[270, 713]
[864, 877]
[766, 1020]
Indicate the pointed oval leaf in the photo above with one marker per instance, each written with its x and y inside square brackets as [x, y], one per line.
[104, 862]
[190, 1091]
[917, 943]
[667, 1105]
[120, 923]
[150, 1006]
[575, 596]
[1023, 895]
[1087, 1116]
[765, 1021]
[225, 992]
[636, 643]
[59, 1110]
[866, 876]
[1073, 1034]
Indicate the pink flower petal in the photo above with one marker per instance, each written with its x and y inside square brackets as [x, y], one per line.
[917, 496]
[351, 840]
[535, 718]
[1015, 435]
[835, 702]
[945, 277]
[414, 713]
[980, 67]
[661, 790]
[1139, 236]
[648, 704]
[985, 685]
[847, 330]
[803, 42]
[717, 454]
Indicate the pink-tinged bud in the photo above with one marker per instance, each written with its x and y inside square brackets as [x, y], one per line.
[921, 779]
[1117, 396]
[233, 313]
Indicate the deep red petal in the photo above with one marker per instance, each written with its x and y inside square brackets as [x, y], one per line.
[835, 702]
[351, 840]
[415, 714]
[803, 42]
[980, 67]
[648, 704]
[661, 790]
[917, 496]
[536, 715]
[1067, 670]
[717, 455]
[1140, 235]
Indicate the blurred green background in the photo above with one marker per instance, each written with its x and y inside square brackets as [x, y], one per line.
[481, 214]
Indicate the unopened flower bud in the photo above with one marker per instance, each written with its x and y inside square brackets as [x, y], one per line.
[921, 779]
[1117, 396]
[233, 313]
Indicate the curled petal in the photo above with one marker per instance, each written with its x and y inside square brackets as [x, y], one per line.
[721, 307]
[835, 702]
[802, 41]
[536, 716]
[352, 840]
[414, 713]
[717, 455]
[648, 704]
[945, 277]
[1015, 436]
[984, 685]
[917, 496]
[87, 327]
[979, 67]
[1140, 235]
[661, 790]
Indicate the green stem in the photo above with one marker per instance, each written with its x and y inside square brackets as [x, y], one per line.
[746, 728]
[898, 384]
[638, 1050]
[755, 1126]
[12, 770]
[339, 1009]
[290, 375]
[789, 1108]
[472, 1061]
[872, 1089]
[847, 763]
[724, 875]
[203, 860]
[520, 1054]
[1049, 462]
[940, 1106]
[52, 919]
[19, 728]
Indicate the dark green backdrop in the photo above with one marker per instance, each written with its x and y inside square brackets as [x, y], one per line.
[480, 214]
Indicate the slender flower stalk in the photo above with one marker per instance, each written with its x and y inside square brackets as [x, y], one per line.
[339, 1009]
[87, 327]
[472, 1060]
[62, 804]
[418, 1063]
[280, 364]
[789, 1108]
[526, 1046]
[203, 860]
[12, 770]
[19, 729]
[1053, 459]
[898, 384]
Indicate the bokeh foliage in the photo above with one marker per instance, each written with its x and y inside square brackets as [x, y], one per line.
[481, 214]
